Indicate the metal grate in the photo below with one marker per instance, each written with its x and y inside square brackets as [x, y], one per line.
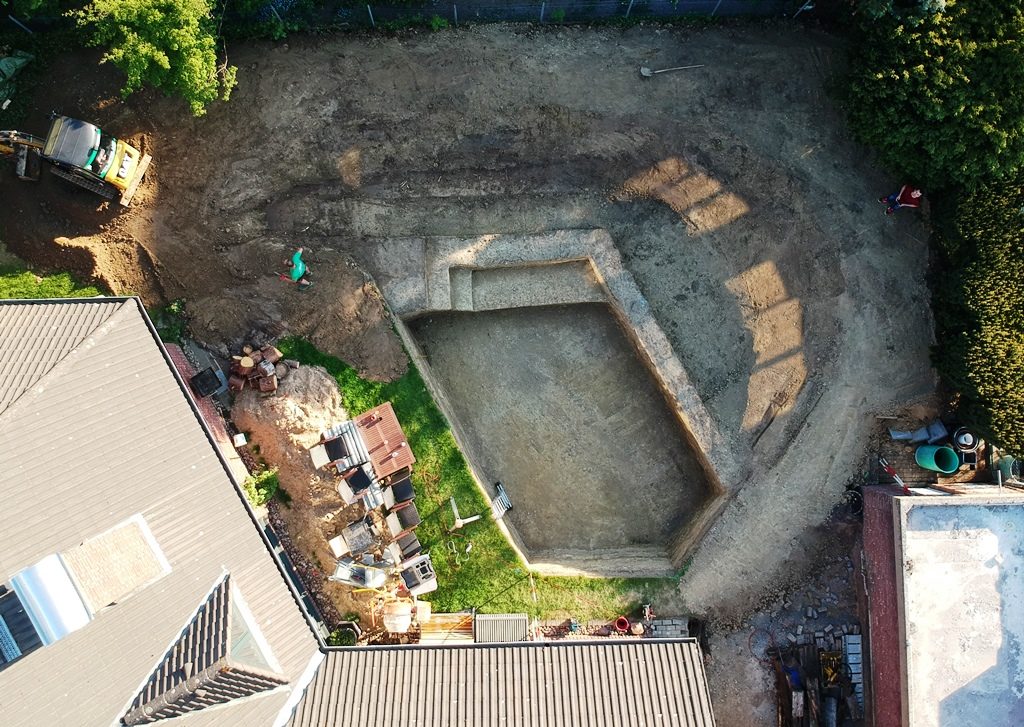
[8, 646]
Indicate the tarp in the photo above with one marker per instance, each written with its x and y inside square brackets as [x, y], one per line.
[9, 68]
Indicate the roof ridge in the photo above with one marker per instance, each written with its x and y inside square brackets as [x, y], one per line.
[58, 369]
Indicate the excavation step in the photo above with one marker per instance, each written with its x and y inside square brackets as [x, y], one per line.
[461, 284]
[534, 285]
[636, 562]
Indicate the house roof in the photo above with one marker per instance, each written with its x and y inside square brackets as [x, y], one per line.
[215, 660]
[959, 580]
[97, 428]
[611, 683]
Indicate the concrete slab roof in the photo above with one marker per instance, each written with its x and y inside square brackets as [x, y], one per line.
[960, 570]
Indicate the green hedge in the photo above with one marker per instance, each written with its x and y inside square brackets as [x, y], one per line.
[979, 310]
[937, 94]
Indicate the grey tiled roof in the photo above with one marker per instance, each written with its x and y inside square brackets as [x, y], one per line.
[201, 668]
[32, 344]
[95, 426]
[624, 683]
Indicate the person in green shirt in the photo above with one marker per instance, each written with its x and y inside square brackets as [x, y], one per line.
[298, 272]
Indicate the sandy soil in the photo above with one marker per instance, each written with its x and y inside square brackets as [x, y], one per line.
[739, 203]
[280, 429]
[569, 419]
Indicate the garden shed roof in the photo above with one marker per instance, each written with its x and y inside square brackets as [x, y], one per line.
[98, 430]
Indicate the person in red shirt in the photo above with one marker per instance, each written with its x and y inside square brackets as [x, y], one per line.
[907, 197]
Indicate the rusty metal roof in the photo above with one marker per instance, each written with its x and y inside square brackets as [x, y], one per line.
[611, 683]
[384, 439]
[96, 427]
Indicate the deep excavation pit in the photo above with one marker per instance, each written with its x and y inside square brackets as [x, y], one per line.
[558, 381]
[561, 410]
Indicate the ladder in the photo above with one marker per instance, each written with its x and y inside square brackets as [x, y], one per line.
[501, 502]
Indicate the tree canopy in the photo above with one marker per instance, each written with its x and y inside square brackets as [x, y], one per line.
[169, 44]
[937, 92]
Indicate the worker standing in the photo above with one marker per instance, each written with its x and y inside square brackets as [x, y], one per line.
[907, 197]
[298, 272]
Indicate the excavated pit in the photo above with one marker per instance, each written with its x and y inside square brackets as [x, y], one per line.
[561, 410]
[559, 382]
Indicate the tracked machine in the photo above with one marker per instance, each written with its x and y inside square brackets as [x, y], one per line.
[81, 153]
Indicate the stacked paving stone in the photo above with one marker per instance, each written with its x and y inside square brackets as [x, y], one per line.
[668, 628]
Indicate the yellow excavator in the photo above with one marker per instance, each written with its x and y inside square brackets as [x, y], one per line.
[81, 153]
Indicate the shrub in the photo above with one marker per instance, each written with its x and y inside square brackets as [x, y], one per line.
[168, 44]
[170, 321]
[438, 23]
[262, 486]
[937, 93]
[343, 636]
[979, 311]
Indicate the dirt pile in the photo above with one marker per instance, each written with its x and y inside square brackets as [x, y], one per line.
[286, 424]
[281, 428]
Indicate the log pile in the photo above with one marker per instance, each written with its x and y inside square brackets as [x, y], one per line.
[259, 368]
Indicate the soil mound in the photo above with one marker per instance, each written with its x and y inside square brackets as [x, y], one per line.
[281, 428]
[285, 425]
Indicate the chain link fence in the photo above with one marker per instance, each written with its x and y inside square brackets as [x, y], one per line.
[440, 14]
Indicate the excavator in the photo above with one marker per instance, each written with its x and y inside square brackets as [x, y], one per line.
[81, 153]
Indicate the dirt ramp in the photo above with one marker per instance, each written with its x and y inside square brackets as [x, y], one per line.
[341, 314]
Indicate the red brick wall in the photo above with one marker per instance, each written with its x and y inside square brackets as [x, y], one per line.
[210, 414]
[883, 613]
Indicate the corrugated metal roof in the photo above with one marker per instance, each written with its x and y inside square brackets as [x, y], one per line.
[104, 430]
[501, 628]
[625, 683]
[385, 441]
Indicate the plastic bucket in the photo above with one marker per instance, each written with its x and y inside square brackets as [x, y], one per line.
[937, 459]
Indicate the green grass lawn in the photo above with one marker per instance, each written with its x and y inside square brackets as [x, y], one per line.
[20, 283]
[491, 577]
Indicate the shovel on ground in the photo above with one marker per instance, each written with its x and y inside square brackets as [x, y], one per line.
[647, 72]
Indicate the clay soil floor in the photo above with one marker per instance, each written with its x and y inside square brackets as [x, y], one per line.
[558, 403]
[739, 203]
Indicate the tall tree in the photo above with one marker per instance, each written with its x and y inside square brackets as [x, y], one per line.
[168, 44]
[938, 93]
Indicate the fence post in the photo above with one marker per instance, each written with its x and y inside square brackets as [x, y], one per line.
[716, 8]
[455, 13]
[542, 11]
[368, 10]
[630, 8]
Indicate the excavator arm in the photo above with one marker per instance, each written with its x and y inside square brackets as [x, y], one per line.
[11, 140]
[25, 148]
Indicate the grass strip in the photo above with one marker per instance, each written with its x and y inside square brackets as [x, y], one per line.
[490, 577]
